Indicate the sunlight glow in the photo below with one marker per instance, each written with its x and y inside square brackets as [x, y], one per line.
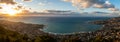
[11, 12]
[9, 9]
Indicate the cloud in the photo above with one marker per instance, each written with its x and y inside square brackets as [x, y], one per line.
[86, 14]
[42, 4]
[113, 9]
[8, 1]
[18, 7]
[85, 3]
[97, 12]
[25, 11]
[0, 7]
[27, 0]
[59, 11]
[12, 4]
[105, 4]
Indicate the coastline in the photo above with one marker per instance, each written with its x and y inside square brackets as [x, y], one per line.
[110, 30]
[23, 28]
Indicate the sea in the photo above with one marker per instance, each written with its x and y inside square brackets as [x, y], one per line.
[62, 24]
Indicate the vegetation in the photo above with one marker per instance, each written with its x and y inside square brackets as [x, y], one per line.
[11, 36]
[102, 39]
[44, 39]
[72, 40]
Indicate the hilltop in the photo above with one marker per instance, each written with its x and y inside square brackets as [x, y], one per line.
[22, 28]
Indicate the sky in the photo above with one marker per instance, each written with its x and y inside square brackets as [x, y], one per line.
[61, 5]
[39, 5]
[48, 5]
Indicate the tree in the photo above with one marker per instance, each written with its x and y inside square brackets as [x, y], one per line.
[44, 38]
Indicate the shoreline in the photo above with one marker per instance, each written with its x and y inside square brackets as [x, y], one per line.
[18, 26]
[110, 30]
[23, 28]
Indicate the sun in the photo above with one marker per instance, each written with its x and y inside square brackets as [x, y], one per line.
[9, 9]
[11, 12]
